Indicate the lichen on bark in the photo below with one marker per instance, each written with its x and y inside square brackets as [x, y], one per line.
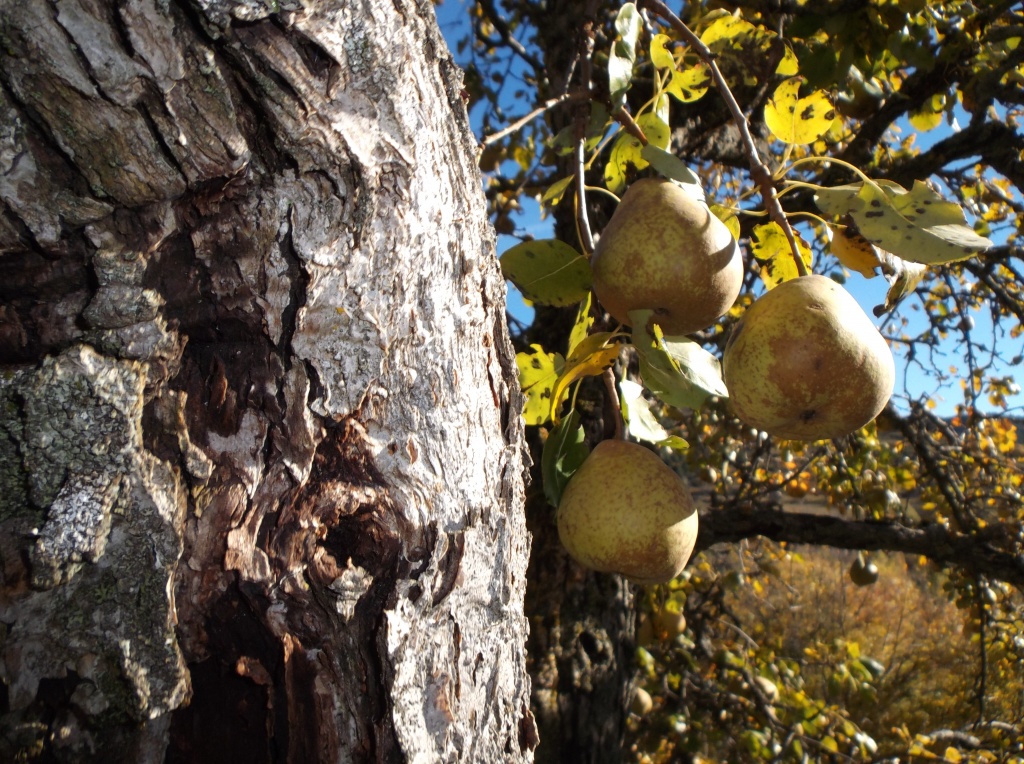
[101, 523]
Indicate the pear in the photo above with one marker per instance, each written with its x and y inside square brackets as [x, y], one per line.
[642, 702]
[806, 363]
[863, 572]
[625, 511]
[664, 251]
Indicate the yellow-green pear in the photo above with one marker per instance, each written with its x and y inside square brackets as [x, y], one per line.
[664, 251]
[625, 511]
[806, 363]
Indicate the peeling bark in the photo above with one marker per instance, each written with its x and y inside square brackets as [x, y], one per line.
[260, 459]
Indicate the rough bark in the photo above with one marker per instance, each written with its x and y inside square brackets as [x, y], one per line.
[261, 468]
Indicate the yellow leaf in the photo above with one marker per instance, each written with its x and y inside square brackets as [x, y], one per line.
[953, 755]
[727, 216]
[728, 29]
[789, 65]
[661, 52]
[626, 155]
[854, 251]
[771, 248]
[793, 119]
[582, 325]
[929, 116]
[538, 372]
[588, 359]
[690, 84]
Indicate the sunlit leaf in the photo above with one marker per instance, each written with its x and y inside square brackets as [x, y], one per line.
[793, 119]
[564, 451]
[728, 29]
[661, 53]
[773, 252]
[727, 216]
[548, 271]
[903, 277]
[854, 251]
[789, 66]
[581, 327]
[929, 116]
[588, 359]
[689, 84]
[918, 225]
[627, 152]
[677, 370]
[538, 372]
[623, 54]
[640, 421]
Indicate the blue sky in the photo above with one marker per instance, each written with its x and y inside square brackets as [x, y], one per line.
[912, 382]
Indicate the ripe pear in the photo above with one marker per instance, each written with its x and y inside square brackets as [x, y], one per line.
[806, 363]
[625, 511]
[664, 251]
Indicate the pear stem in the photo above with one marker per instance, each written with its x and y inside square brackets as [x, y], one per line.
[759, 172]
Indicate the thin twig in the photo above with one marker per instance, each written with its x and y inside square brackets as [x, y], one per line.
[519, 123]
[759, 172]
[582, 218]
[580, 121]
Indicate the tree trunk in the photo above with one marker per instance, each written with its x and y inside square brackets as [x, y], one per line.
[261, 464]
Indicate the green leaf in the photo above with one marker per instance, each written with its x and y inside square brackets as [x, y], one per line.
[538, 372]
[641, 422]
[674, 442]
[918, 225]
[623, 54]
[771, 248]
[564, 451]
[556, 191]
[793, 119]
[677, 370]
[548, 271]
[668, 164]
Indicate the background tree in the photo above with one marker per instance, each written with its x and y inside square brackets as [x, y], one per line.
[782, 655]
[250, 312]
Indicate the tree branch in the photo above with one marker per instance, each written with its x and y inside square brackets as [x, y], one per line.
[939, 544]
